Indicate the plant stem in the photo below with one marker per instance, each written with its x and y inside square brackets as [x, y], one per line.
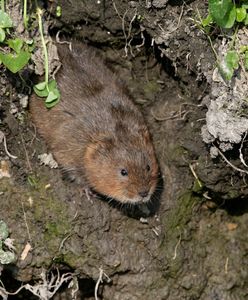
[2, 5]
[25, 19]
[212, 47]
[234, 37]
[39, 13]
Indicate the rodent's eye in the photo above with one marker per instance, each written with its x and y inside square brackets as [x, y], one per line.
[148, 168]
[124, 172]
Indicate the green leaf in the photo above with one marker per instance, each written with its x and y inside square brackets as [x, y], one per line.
[229, 64]
[225, 71]
[232, 59]
[41, 90]
[15, 44]
[40, 86]
[52, 104]
[52, 94]
[240, 14]
[6, 257]
[223, 12]
[2, 35]
[52, 84]
[246, 60]
[15, 62]
[207, 21]
[246, 20]
[51, 97]
[245, 6]
[5, 20]
[42, 94]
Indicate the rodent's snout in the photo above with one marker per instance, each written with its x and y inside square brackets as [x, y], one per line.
[143, 193]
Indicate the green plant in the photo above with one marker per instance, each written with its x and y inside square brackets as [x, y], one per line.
[20, 51]
[2, 5]
[5, 24]
[229, 14]
[226, 12]
[6, 256]
[47, 89]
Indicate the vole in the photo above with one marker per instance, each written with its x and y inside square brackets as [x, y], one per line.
[96, 132]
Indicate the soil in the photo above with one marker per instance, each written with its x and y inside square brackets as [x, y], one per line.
[191, 242]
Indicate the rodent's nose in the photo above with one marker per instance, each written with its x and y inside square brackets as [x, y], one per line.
[143, 194]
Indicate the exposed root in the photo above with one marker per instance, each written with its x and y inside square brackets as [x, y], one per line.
[174, 115]
[128, 32]
[63, 241]
[178, 22]
[229, 163]
[3, 138]
[178, 243]
[240, 152]
[100, 280]
[46, 288]
[226, 265]
[195, 175]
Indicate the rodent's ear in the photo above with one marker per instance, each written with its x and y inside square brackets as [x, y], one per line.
[100, 144]
[145, 133]
[102, 140]
[105, 143]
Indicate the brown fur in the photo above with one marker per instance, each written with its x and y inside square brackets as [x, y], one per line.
[95, 130]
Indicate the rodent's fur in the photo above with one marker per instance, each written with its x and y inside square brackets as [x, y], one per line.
[95, 131]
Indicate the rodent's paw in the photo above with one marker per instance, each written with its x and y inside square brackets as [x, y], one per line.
[89, 194]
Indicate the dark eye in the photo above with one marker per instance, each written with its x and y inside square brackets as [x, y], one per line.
[148, 168]
[124, 172]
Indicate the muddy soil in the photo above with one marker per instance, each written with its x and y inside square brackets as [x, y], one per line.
[191, 242]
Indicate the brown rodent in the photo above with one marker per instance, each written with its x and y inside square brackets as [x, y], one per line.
[96, 132]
